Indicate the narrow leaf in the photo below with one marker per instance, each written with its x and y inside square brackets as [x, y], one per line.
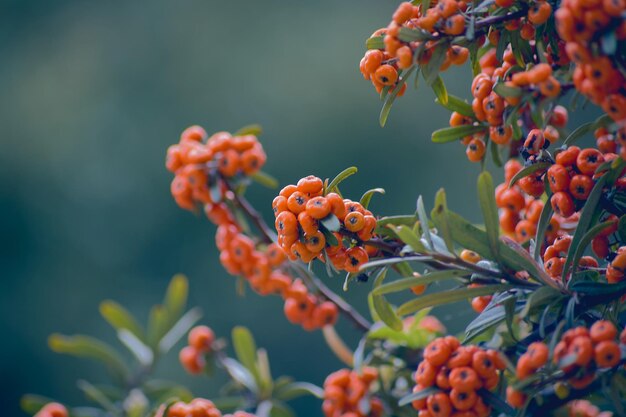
[586, 217]
[447, 297]
[88, 347]
[340, 177]
[120, 318]
[410, 282]
[487, 199]
[367, 197]
[526, 171]
[449, 134]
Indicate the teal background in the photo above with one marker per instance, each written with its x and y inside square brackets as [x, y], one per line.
[93, 92]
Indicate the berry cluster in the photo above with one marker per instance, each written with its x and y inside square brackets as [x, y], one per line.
[597, 74]
[400, 53]
[52, 410]
[347, 394]
[519, 212]
[579, 353]
[193, 356]
[196, 161]
[588, 349]
[458, 372]
[554, 257]
[263, 265]
[301, 213]
[571, 178]
[265, 272]
[198, 407]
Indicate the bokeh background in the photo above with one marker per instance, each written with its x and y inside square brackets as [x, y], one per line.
[93, 92]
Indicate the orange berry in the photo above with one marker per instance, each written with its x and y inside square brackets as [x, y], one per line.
[475, 150]
[516, 399]
[588, 160]
[583, 349]
[297, 202]
[386, 75]
[607, 354]
[602, 330]
[354, 221]
[355, 257]
[437, 352]
[464, 379]
[439, 405]
[562, 204]
[191, 359]
[201, 338]
[318, 207]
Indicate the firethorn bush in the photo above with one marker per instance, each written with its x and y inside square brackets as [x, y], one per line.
[544, 271]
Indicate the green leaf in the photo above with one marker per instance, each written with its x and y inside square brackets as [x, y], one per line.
[31, 404]
[179, 330]
[383, 309]
[384, 112]
[518, 258]
[530, 169]
[331, 223]
[449, 134]
[142, 352]
[430, 71]
[89, 347]
[240, 374]
[395, 260]
[298, 389]
[265, 179]
[120, 318]
[253, 129]
[458, 105]
[421, 213]
[450, 296]
[439, 88]
[539, 299]
[586, 240]
[586, 217]
[496, 402]
[490, 317]
[157, 325]
[375, 42]
[340, 177]
[410, 35]
[439, 214]
[410, 282]
[586, 128]
[397, 221]
[608, 42]
[542, 226]
[406, 234]
[246, 350]
[367, 197]
[176, 297]
[621, 228]
[94, 394]
[407, 399]
[487, 199]
[599, 288]
[504, 90]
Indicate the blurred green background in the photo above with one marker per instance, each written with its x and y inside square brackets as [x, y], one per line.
[93, 92]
